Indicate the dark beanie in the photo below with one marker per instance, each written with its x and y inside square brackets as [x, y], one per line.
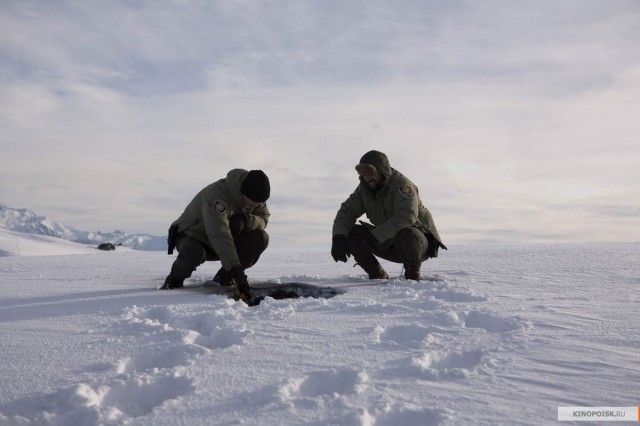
[256, 186]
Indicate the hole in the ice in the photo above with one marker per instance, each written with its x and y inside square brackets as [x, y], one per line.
[291, 291]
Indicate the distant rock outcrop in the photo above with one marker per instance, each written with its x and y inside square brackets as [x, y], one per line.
[106, 246]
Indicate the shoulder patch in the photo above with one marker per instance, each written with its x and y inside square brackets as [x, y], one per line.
[406, 190]
[219, 206]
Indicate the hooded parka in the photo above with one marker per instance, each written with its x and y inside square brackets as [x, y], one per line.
[392, 207]
[206, 217]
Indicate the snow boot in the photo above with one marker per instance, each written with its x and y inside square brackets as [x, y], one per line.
[170, 282]
[373, 268]
[412, 271]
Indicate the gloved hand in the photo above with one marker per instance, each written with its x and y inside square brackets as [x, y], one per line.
[240, 278]
[237, 223]
[340, 248]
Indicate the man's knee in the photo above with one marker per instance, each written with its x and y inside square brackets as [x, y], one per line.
[411, 244]
[263, 238]
[191, 251]
[357, 234]
[250, 245]
[258, 239]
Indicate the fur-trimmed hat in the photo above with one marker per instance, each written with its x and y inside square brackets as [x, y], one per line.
[374, 161]
[256, 186]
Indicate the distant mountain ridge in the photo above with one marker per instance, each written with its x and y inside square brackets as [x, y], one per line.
[27, 221]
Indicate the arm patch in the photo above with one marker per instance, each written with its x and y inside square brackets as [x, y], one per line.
[219, 206]
[406, 190]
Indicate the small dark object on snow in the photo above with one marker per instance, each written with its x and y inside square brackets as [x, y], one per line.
[107, 246]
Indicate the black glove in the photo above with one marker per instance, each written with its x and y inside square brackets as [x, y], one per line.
[237, 223]
[240, 278]
[340, 248]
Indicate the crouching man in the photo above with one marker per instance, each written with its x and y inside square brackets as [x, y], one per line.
[403, 230]
[225, 221]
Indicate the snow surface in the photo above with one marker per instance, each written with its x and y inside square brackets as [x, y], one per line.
[492, 335]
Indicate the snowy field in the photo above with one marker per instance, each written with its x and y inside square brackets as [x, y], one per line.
[493, 335]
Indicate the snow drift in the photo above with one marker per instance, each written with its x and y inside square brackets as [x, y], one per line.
[493, 335]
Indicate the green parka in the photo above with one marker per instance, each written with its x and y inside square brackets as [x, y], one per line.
[393, 207]
[206, 217]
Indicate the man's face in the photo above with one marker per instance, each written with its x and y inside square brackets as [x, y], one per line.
[251, 204]
[373, 180]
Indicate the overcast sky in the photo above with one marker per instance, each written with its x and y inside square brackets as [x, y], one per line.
[519, 121]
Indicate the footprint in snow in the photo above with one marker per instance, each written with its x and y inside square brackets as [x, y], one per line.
[435, 365]
[137, 395]
[115, 402]
[208, 329]
[160, 359]
[327, 384]
[403, 335]
[222, 338]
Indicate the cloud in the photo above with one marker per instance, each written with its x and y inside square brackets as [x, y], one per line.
[115, 114]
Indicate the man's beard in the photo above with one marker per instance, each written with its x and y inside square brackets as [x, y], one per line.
[373, 186]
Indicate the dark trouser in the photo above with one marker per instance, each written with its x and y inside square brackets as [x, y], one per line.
[409, 245]
[192, 253]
